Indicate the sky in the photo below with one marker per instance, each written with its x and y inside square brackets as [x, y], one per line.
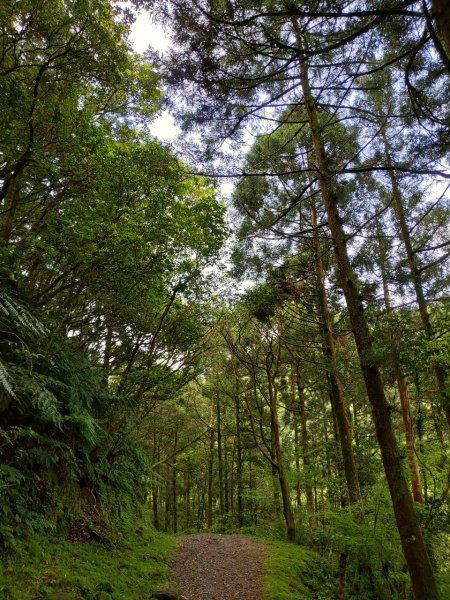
[145, 33]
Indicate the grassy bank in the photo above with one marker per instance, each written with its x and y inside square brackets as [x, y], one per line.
[292, 572]
[53, 569]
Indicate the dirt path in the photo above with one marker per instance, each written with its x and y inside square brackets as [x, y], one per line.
[218, 567]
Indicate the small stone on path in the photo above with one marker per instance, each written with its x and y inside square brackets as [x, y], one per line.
[165, 595]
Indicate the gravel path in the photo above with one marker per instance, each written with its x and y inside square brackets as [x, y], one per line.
[218, 567]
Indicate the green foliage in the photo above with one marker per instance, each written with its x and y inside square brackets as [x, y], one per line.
[53, 569]
[103, 241]
[51, 434]
[292, 572]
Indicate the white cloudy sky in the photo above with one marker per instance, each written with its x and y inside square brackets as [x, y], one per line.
[144, 34]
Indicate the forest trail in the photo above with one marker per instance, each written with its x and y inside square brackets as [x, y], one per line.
[214, 567]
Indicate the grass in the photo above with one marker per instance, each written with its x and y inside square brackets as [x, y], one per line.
[59, 570]
[292, 572]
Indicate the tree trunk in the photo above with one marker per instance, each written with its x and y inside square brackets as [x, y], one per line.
[284, 487]
[209, 513]
[405, 236]
[187, 500]
[401, 382]
[409, 437]
[107, 356]
[310, 504]
[414, 549]
[226, 479]
[441, 11]
[168, 503]
[155, 505]
[298, 495]
[275, 482]
[239, 487]
[174, 485]
[220, 460]
[155, 487]
[336, 395]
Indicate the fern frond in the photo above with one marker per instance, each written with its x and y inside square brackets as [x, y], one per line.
[5, 380]
[19, 315]
[48, 406]
[89, 426]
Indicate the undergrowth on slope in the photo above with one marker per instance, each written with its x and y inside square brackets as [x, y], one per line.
[292, 572]
[52, 569]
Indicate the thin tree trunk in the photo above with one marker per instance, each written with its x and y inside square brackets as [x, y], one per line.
[209, 513]
[401, 383]
[239, 487]
[275, 482]
[275, 429]
[298, 495]
[220, 460]
[174, 484]
[410, 437]
[155, 487]
[107, 356]
[187, 500]
[155, 505]
[168, 504]
[310, 504]
[405, 236]
[226, 479]
[414, 549]
[344, 434]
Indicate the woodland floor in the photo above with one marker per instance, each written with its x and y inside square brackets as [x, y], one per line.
[218, 567]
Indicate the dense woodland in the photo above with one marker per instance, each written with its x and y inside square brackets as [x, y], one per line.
[277, 362]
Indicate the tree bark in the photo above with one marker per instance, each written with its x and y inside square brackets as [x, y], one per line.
[155, 487]
[220, 459]
[187, 500]
[441, 11]
[310, 504]
[280, 467]
[401, 383]
[174, 485]
[410, 439]
[298, 490]
[336, 395]
[209, 513]
[239, 488]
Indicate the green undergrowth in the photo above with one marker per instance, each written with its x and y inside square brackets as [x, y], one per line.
[53, 569]
[293, 572]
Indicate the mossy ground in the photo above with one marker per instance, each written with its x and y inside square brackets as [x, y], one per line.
[58, 570]
[292, 572]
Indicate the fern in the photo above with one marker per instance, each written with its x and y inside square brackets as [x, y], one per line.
[88, 425]
[48, 407]
[10, 476]
[21, 317]
[5, 379]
